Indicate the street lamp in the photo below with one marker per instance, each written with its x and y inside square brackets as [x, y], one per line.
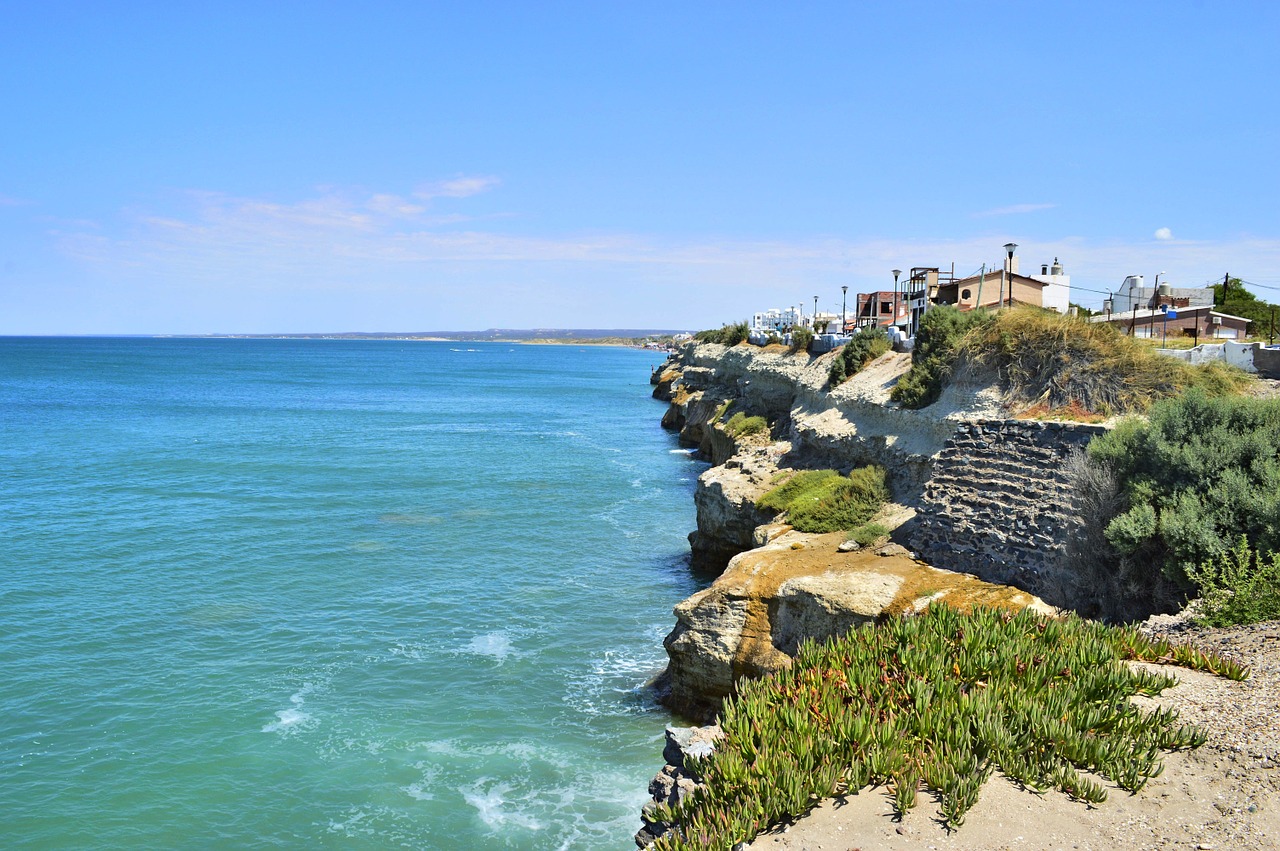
[896, 273]
[844, 301]
[815, 314]
[1009, 248]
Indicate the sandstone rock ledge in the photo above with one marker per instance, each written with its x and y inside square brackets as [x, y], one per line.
[752, 620]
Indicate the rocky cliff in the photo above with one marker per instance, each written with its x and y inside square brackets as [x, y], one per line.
[1008, 518]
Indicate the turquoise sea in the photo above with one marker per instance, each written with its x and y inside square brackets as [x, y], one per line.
[332, 594]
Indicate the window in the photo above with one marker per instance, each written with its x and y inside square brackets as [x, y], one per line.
[965, 294]
[886, 307]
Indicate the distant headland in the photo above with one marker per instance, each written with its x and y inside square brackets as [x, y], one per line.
[638, 337]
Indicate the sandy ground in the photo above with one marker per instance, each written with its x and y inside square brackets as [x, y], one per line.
[1225, 795]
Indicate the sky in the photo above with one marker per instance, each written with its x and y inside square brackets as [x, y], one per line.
[296, 167]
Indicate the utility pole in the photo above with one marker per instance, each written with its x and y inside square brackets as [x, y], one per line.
[1271, 333]
[1226, 285]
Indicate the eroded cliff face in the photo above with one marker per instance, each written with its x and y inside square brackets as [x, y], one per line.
[780, 587]
[811, 426]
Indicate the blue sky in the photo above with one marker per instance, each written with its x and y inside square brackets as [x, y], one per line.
[306, 167]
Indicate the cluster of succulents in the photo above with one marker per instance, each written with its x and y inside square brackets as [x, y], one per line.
[939, 700]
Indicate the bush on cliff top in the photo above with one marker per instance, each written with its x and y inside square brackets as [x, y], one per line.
[1197, 475]
[729, 335]
[801, 339]
[940, 699]
[867, 345]
[941, 329]
[825, 501]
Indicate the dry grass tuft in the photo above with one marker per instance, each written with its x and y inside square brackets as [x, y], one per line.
[1064, 362]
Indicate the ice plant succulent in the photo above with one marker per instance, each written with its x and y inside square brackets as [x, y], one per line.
[942, 699]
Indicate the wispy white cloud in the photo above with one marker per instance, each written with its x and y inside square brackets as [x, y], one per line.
[1163, 234]
[10, 201]
[391, 256]
[1013, 210]
[458, 187]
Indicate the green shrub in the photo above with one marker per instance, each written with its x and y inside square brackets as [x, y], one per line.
[825, 501]
[1198, 475]
[729, 335]
[741, 425]
[865, 346]
[868, 534]
[941, 699]
[1241, 586]
[801, 339]
[937, 338]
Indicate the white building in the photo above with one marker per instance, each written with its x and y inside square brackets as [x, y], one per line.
[778, 321]
[1057, 295]
[1133, 295]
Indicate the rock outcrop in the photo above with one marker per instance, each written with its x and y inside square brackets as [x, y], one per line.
[752, 620]
[676, 781]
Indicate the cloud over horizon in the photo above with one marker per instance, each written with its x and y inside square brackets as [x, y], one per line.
[394, 256]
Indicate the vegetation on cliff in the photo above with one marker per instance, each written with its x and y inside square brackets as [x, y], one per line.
[1192, 480]
[940, 699]
[740, 425]
[801, 339]
[939, 335]
[865, 346]
[729, 335]
[1047, 359]
[1241, 586]
[824, 501]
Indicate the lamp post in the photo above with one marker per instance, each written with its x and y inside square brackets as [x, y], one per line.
[815, 314]
[894, 321]
[1009, 248]
[844, 301]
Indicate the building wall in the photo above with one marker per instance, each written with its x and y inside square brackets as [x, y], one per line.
[1057, 295]
[1144, 297]
[1023, 292]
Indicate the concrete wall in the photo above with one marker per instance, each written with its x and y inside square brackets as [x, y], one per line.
[998, 504]
[1251, 357]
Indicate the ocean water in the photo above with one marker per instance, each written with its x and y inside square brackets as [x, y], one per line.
[332, 594]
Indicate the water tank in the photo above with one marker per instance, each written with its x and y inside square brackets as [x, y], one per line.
[1133, 282]
[1108, 305]
[1057, 267]
[1165, 290]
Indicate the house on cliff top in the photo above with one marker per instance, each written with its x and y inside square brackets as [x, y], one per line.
[927, 285]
